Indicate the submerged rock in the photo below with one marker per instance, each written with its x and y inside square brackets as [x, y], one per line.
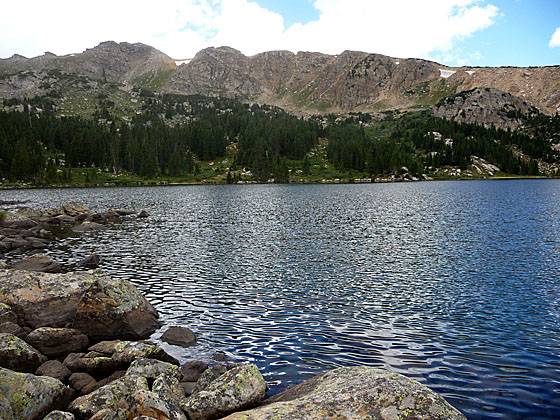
[88, 226]
[143, 214]
[96, 305]
[355, 392]
[179, 336]
[25, 396]
[241, 387]
[91, 261]
[55, 342]
[17, 355]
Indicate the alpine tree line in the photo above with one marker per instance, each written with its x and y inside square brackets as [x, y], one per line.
[31, 144]
[173, 132]
[407, 141]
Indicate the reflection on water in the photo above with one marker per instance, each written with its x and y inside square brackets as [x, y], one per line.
[452, 283]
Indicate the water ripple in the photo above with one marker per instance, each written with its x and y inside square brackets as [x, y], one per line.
[452, 283]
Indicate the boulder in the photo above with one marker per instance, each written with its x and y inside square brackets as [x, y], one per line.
[193, 370]
[25, 396]
[143, 214]
[151, 369]
[6, 313]
[355, 392]
[82, 382]
[14, 329]
[108, 414]
[96, 305]
[39, 263]
[54, 369]
[59, 415]
[128, 351]
[149, 404]
[188, 388]
[54, 342]
[179, 336]
[98, 365]
[124, 212]
[105, 381]
[108, 396]
[210, 375]
[75, 209]
[239, 388]
[17, 355]
[87, 226]
[106, 347]
[91, 261]
[168, 388]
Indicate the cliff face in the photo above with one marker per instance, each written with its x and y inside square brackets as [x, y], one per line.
[303, 82]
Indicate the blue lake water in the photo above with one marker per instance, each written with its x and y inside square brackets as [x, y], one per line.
[456, 284]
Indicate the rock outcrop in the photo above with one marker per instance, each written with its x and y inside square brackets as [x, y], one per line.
[92, 303]
[485, 106]
[356, 392]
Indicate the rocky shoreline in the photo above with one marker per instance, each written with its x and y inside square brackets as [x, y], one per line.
[76, 345]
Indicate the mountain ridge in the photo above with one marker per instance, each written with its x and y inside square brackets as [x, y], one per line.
[304, 82]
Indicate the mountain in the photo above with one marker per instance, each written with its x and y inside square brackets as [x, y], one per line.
[305, 82]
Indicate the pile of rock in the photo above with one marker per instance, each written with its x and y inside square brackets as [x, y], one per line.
[68, 351]
[31, 229]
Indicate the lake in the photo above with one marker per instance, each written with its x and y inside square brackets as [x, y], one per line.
[456, 284]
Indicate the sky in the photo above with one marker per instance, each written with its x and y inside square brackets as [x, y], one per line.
[452, 32]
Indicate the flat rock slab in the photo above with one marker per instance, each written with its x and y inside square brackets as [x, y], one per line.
[352, 393]
[96, 305]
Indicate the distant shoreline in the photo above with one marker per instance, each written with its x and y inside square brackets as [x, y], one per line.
[342, 182]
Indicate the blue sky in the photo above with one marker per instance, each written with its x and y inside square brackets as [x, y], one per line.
[519, 35]
[453, 32]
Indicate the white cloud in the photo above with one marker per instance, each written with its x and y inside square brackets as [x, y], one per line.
[555, 39]
[401, 28]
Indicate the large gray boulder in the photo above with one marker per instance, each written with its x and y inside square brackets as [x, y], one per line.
[355, 392]
[239, 388]
[29, 397]
[96, 305]
[17, 355]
